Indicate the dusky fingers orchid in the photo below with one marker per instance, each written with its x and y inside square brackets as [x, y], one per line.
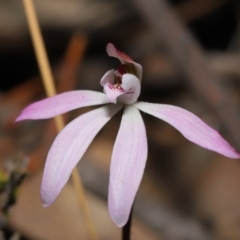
[121, 90]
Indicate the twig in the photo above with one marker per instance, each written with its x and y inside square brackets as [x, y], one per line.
[190, 58]
[50, 89]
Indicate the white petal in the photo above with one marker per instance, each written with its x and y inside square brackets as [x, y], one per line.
[129, 91]
[61, 103]
[68, 148]
[191, 127]
[107, 78]
[132, 88]
[127, 165]
[107, 82]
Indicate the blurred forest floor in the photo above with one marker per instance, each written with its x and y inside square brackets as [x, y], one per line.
[190, 53]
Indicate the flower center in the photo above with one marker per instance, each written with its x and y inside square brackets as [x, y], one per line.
[119, 72]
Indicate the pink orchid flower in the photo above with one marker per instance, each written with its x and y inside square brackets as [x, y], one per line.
[121, 91]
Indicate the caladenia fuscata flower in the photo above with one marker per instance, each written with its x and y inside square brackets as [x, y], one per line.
[122, 88]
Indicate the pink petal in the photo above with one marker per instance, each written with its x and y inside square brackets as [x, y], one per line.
[124, 58]
[129, 91]
[61, 103]
[127, 165]
[68, 148]
[191, 127]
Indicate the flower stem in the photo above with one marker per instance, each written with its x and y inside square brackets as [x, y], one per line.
[48, 82]
[126, 230]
